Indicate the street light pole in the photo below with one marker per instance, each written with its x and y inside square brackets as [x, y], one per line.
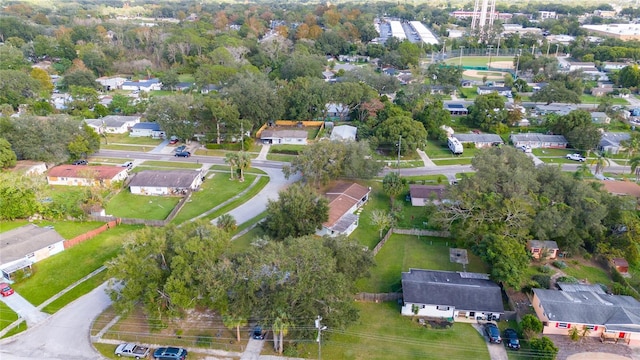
[518, 62]
[319, 339]
[490, 53]
[399, 146]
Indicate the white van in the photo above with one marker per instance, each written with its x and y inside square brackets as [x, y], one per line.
[455, 146]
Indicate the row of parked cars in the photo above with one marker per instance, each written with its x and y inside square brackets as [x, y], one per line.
[141, 352]
[510, 336]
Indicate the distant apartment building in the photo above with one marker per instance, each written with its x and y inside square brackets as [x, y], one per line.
[544, 15]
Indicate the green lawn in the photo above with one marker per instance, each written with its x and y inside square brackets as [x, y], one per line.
[53, 274]
[71, 229]
[427, 179]
[436, 150]
[241, 200]
[16, 330]
[469, 93]
[127, 205]
[402, 252]
[83, 288]
[186, 78]
[552, 152]
[477, 60]
[280, 157]
[458, 161]
[286, 147]
[7, 316]
[133, 140]
[244, 242]
[10, 225]
[592, 273]
[212, 193]
[171, 164]
[142, 148]
[590, 99]
[366, 233]
[382, 333]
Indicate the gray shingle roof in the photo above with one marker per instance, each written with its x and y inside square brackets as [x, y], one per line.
[292, 134]
[20, 242]
[538, 137]
[113, 120]
[165, 178]
[587, 307]
[464, 291]
[547, 244]
[613, 139]
[479, 138]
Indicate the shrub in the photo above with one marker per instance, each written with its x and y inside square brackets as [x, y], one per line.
[574, 334]
[560, 264]
[543, 280]
[567, 279]
[530, 324]
[285, 151]
[545, 269]
[587, 256]
[544, 347]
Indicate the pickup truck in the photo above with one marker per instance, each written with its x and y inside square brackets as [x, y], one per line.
[576, 157]
[132, 350]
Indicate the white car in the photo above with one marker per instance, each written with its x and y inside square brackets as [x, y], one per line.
[576, 157]
[525, 148]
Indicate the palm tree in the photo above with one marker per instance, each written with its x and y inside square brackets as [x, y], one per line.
[234, 321]
[635, 166]
[601, 162]
[632, 145]
[231, 159]
[226, 222]
[243, 161]
[280, 329]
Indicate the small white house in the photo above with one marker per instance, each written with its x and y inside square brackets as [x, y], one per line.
[165, 182]
[344, 199]
[143, 85]
[20, 248]
[456, 296]
[111, 82]
[292, 137]
[113, 124]
[79, 175]
[147, 129]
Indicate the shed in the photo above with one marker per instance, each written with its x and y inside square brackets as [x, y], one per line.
[621, 265]
[344, 133]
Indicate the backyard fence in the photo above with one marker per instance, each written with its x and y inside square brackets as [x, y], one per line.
[378, 297]
[149, 222]
[382, 242]
[90, 234]
[416, 232]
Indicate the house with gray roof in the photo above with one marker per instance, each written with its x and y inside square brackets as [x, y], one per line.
[457, 296]
[537, 140]
[501, 90]
[613, 318]
[284, 136]
[147, 129]
[165, 182]
[20, 248]
[480, 140]
[558, 109]
[610, 142]
[113, 124]
[548, 249]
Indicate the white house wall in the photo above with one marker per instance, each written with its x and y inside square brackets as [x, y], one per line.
[48, 251]
[428, 311]
[149, 190]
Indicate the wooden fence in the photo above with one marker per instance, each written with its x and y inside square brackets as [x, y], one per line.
[417, 232]
[378, 297]
[148, 222]
[90, 234]
[382, 242]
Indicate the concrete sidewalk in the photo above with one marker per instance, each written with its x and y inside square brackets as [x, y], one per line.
[263, 152]
[425, 159]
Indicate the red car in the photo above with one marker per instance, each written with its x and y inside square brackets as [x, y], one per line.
[5, 289]
[173, 140]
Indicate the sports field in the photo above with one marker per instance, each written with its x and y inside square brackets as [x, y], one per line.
[496, 61]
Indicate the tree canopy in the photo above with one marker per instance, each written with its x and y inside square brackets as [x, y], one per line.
[298, 211]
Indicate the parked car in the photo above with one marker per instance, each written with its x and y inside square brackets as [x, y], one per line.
[525, 148]
[511, 339]
[173, 140]
[257, 333]
[132, 350]
[183, 154]
[181, 148]
[170, 353]
[576, 157]
[81, 162]
[128, 164]
[5, 289]
[493, 333]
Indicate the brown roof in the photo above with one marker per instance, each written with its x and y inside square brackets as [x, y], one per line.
[620, 262]
[342, 197]
[426, 191]
[622, 188]
[81, 171]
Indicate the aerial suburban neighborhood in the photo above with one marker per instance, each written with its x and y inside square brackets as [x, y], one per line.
[304, 179]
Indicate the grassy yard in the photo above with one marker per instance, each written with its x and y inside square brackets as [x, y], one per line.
[83, 288]
[469, 93]
[137, 148]
[171, 164]
[7, 316]
[427, 179]
[53, 274]
[402, 252]
[458, 161]
[127, 205]
[16, 330]
[590, 272]
[436, 150]
[286, 147]
[382, 333]
[133, 140]
[71, 229]
[10, 225]
[477, 60]
[244, 242]
[552, 152]
[366, 233]
[280, 157]
[239, 201]
[590, 99]
[212, 193]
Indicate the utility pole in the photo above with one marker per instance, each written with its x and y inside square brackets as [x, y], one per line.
[557, 46]
[548, 47]
[319, 339]
[533, 49]
[461, 49]
[242, 136]
[498, 50]
[399, 146]
[490, 53]
[518, 62]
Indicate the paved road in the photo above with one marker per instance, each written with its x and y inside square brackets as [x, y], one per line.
[24, 309]
[64, 335]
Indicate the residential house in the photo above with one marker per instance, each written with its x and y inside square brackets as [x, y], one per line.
[622, 188]
[621, 265]
[344, 200]
[613, 66]
[328, 75]
[599, 117]
[480, 140]
[79, 175]
[609, 317]
[440, 90]
[575, 65]
[537, 140]
[457, 296]
[165, 182]
[142, 85]
[610, 142]
[113, 124]
[501, 90]
[456, 109]
[110, 83]
[466, 83]
[602, 89]
[293, 137]
[344, 133]
[538, 248]
[337, 111]
[555, 109]
[21, 247]
[421, 195]
[147, 129]
[544, 15]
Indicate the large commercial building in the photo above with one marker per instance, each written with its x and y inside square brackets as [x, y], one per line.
[618, 31]
[425, 34]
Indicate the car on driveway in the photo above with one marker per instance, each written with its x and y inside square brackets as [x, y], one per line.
[493, 333]
[170, 353]
[183, 154]
[257, 333]
[173, 140]
[576, 157]
[81, 162]
[181, 148]
[128, 165]
[525, 148]
[511, 339]
[5, 289]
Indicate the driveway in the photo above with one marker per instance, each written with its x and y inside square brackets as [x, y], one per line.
[64, 335]
[24, 309]
[496, 351]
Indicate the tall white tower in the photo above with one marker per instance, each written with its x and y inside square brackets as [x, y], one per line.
[484, 12]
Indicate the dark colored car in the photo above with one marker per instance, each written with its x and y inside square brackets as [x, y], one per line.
[181, 148]
[170, 353]
[5, 289]
[511, 339]
[493, 333]
[183, 154]
[81, 162]
[257, 333]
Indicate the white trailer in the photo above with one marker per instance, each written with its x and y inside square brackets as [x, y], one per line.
[455, 146]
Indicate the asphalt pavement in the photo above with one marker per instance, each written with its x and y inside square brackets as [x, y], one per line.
[24, 309]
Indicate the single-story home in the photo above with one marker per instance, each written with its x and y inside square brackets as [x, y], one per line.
[147, 129]
[622, 188]
[456, 109]
[576, 65]
[337, 111]
[599, 117]
[113, 124]
[344, 199]
[537, 248]
[555, 109]
[165, 182]
[621, 265]
[602, 89]
[23, 246]
[501, 90]
[609, 317]
[537, 140]
[421, 195]
[79, 175]
[613, 66]
[480, 140]
[142, 85]
[111, 82]
[293, 137]
[457, 296]
[610, 142]
[344, 132]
